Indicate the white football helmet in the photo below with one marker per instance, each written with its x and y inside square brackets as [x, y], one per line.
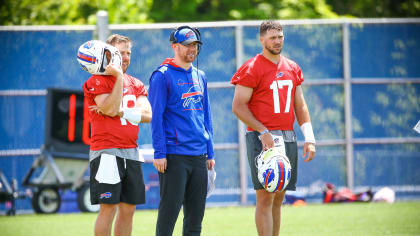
[92, 56]
[274, 170]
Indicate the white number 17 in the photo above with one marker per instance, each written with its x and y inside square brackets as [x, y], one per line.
[275, 86]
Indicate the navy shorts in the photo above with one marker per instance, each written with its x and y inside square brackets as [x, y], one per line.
[130, 190]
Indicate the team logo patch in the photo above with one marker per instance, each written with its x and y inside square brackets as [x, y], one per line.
[192, 96]
[105, 195]
[279, 75]
[189, 35]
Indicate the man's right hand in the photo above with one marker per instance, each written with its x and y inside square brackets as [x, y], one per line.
[160, 164]
[267, 141]
[114, 70]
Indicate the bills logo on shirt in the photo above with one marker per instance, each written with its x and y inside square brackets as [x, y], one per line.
[191, 97]
[279, 75]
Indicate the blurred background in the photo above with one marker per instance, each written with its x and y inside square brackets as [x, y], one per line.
[362, 86]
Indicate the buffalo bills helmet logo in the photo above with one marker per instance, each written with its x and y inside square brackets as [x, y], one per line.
[88, 45]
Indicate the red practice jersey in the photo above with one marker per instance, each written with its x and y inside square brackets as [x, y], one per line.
[274, 86]
[113, 132]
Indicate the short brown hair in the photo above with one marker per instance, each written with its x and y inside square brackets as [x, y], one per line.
[116, 38]
[269, 25]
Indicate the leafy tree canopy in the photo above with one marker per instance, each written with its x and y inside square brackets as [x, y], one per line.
[76, 12]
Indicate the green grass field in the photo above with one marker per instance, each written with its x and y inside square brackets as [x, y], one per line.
[401, 218]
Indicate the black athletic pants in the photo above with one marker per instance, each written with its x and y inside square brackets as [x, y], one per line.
[184, 183]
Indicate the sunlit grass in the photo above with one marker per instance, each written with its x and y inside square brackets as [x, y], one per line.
[402, 218]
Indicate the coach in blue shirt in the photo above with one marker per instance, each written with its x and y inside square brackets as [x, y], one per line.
[182, 134]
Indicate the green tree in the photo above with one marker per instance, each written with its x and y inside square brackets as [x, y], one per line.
[210, 10]
[71, 12]
[50, 12]
[376, 8]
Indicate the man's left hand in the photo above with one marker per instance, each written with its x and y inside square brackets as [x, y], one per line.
[95, 109]
[309, 150]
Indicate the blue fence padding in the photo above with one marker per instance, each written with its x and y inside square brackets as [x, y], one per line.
[41, 59]
[22, 123]
[227, 169]
[225, 123]
[385, 110]
[326, 106]
[391, 164]
[329, 165]
[385, 50]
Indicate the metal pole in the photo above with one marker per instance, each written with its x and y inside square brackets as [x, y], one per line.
[348, 106]
[102, 25]
[241, 127]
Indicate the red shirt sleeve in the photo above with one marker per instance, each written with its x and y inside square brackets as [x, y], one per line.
[245, 76]
[138, 87]
[141, 89]
[99, 85]
[299, 75]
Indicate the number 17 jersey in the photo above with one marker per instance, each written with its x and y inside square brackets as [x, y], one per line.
[274, 87]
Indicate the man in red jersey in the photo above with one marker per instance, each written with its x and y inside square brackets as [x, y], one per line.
[267, 96]
[118, 104]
